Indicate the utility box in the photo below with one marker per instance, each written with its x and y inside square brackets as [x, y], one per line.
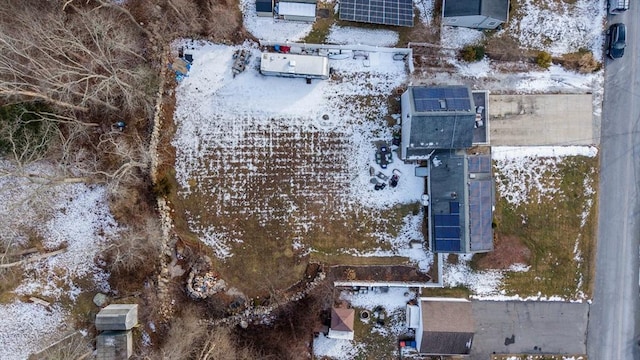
[117, 317]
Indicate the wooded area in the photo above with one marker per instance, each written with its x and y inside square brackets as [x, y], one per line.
[78, 82]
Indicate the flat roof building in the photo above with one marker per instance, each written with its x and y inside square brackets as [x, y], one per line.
[293, 65]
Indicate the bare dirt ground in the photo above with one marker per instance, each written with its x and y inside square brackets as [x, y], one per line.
[508, 250]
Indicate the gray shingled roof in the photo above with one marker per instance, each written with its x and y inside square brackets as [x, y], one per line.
[439, 117]
[448, 327]
[497, 9]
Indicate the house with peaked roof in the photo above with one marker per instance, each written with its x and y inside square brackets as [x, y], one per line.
[341, 323]
[476, 14]
[446, 327]
[437, 129]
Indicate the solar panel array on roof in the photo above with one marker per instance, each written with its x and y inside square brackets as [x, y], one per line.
[479, 164]
[447, 232]
[480, 214]
[386, 12]
[441, 99]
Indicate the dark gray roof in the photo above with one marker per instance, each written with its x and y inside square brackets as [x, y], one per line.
[448, 327]
[481, 195]
[446, 343]
[442, 131]
[440, 117]
[497, 9]
[461, 195]
[447, 199]
[264, 5]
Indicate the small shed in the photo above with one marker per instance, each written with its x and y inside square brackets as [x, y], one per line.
[264, 8]
[341, 323]
[296, 11]
[117, 317]
[114, 345]
[292, 65]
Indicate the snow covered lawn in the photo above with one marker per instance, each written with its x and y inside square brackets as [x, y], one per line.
[275, 165]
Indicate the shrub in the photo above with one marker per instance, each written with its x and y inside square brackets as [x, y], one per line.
[162, 187]
[471, 53]
[543, 59]
[587, 64]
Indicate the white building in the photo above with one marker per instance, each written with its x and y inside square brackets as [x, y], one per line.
[292, 65]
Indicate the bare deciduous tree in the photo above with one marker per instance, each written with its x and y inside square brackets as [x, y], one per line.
[73, 61]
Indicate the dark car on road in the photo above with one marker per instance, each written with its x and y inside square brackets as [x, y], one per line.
[616, 40]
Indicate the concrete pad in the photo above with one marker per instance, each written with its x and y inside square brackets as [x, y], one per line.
[527, 120]
[529, 327]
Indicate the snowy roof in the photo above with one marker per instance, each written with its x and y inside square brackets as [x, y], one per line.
[497, 9]
[436, 118]
[296, 9]
[447, 326]
[292, 64]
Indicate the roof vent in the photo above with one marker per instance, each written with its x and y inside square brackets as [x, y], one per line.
[443, 104]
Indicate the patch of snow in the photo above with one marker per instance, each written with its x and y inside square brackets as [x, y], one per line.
[481, 283]
[475, 69]
[361, 36]
[334, 348]
[394, 299]
[271, 29]
[81, 223]
[522, 169]
[425, 9]
[500, 153]
[555, 77]
[26, 328]
[408, 243]
[458, 37]
[559, 27]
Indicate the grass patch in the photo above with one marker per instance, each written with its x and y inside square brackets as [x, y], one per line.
[9, 280]
[322, 26]
[377, 341]
[454, 292]
[554, 230]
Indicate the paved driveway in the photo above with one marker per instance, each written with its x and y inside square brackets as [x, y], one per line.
[511, 327]
[559, 119]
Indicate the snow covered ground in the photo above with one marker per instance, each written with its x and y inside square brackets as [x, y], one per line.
[71, 216]
[331, 124]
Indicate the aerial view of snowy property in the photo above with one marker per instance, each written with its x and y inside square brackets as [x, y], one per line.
[319, 179]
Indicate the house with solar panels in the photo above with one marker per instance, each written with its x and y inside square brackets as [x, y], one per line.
[437, 134]
[383, 12]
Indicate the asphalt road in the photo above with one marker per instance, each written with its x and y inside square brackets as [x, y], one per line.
[613, 330]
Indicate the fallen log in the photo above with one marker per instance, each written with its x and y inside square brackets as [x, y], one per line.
[32, 258]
